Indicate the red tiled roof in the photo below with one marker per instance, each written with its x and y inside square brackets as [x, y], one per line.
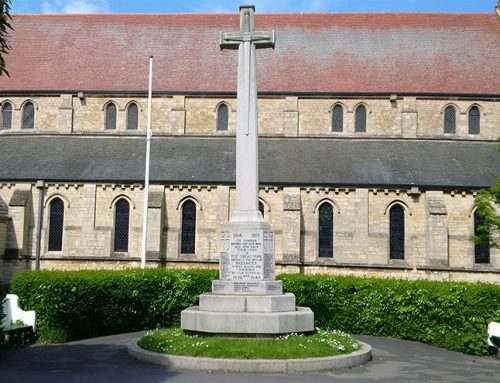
[315, 52]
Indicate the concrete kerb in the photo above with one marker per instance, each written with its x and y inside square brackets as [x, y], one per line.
[287, 366]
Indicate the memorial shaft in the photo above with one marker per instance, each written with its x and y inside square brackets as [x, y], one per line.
[247, 169]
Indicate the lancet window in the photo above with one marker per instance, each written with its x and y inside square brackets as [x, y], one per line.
[325, 230]
[188, 227]
[56, 224]
[122, 221]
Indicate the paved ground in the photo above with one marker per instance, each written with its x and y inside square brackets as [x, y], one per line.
[106, 360]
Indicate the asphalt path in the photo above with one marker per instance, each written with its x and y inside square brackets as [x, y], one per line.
[106, 360]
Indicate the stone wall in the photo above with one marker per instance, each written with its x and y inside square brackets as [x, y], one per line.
[408, 117]
[437, 224]
[437, 229]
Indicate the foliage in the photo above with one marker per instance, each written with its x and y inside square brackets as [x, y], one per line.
[5, 26]
[319, 344]
[487, 203]
[3, 293]
[446, 314]
[80, 304]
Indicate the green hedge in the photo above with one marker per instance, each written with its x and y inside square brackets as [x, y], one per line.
[3, 292]
[74, 305]
[80, 304]
[445, 314]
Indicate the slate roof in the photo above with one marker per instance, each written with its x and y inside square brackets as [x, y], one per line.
[315, 52]
[283, 161]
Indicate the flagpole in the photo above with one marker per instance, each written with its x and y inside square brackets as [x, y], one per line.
[146, 172]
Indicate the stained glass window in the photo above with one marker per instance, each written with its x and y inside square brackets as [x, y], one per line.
[56, 224]
[326, 230]
[188, 235]
[397, 232]
[122, 217]
[481, 252]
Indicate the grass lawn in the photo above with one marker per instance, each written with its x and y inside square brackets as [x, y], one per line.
[173, 341]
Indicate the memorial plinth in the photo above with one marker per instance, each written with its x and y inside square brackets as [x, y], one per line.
[246, 299]
[247, 260]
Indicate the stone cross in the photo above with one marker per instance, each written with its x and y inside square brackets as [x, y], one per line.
[247, 299]
[246, 40]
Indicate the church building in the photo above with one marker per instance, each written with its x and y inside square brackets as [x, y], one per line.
[377, 130]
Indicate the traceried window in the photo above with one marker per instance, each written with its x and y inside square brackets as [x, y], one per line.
[110, 116]
[222, 118]
[188, 227]
[132, 117]
[397, 232]
[325, 234]
[360, 119]
[261, 208]
[56, 224]
[28, 116]
[337, 119]
[122, 220]
[481, 252]
[450, 120]
[6, 116]
[474, 120]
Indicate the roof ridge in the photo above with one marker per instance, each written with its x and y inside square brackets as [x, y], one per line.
[257, 14]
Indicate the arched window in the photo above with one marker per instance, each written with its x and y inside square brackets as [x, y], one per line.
[449, 120]
[110, 116]
[56, 224]
[6, 116]
[122, 218]
[188, 235]
[325, 230]
[360, 119]
[222, 118]
[474, 120]
[132, 116]
[397, 232]
[261, 208]
[28, 116]
[481, 252]
[337, 119]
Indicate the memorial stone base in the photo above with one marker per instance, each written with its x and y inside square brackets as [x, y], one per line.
[247, 300]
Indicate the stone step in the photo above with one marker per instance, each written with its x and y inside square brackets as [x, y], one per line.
[245, 323]
[228, 287]
[247, 303]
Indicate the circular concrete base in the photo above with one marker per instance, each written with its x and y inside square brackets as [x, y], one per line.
[285, 366]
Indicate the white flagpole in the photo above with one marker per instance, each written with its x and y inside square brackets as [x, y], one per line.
[146, 175]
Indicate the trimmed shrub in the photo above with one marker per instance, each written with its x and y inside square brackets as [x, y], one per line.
[80, 304]
[74, 305]
[3, 293]
[446, 314]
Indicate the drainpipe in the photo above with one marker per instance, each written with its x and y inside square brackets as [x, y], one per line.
[39, 185]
